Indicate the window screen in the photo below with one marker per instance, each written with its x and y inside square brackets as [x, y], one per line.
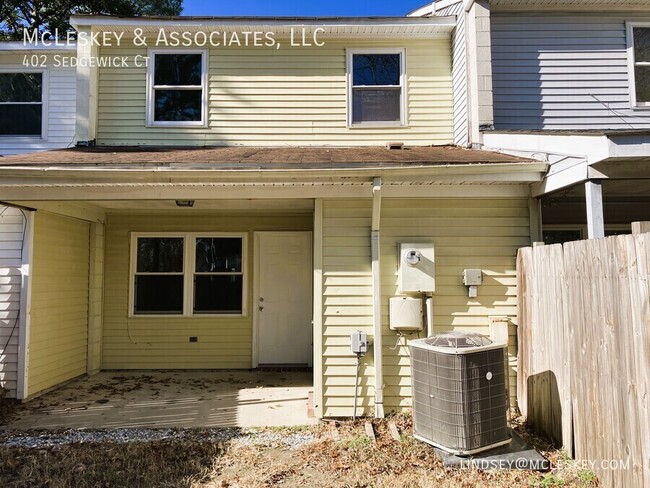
[376, 88]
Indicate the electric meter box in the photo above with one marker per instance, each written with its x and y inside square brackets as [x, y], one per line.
[416, 273]
[405, 313]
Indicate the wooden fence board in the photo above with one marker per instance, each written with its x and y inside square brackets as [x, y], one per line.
[584, 351]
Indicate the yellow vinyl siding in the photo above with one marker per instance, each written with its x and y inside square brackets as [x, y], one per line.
[295, 96]
[59, 306]
[347, 304]
[163, 342]
[467, 233]
[463, 234]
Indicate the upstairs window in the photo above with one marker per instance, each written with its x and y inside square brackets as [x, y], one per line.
[639, 38]
[177, 88]
[376, 87]
[21, 104]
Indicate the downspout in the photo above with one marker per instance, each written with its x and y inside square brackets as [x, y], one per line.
[376, 299]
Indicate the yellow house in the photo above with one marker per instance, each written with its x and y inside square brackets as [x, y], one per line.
[235, 205]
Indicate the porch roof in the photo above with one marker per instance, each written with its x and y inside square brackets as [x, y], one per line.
[257, 158]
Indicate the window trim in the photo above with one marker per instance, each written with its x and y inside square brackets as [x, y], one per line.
[189, 265]
[44, 104]
[151, 106]
[403, 122]
[630, 26]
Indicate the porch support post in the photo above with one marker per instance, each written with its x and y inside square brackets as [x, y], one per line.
[95, 297]
[535, 220]
[594, 202]
[318, 308]
[376, 299]
[22, 383]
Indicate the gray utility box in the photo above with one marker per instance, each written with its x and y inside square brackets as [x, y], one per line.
[460, 398]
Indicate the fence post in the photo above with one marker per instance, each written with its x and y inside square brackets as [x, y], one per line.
[640, 227]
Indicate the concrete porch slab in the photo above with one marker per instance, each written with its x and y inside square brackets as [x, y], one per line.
[167, 399]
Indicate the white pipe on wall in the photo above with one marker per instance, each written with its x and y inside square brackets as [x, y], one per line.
[376, 299]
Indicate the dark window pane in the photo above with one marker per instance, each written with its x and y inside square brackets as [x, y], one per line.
[177, 105]
[159, 294]
[376, 69]
[218, 294]
[21, 120]
[21, 87]
[561, 236]
[218, 254]
[641, 44]
[376, 105]
[642, 80]
[160, 255]
[177, 69]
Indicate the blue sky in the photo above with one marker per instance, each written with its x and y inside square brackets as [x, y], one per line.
[301, 8]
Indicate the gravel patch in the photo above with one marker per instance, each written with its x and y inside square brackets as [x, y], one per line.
[266, 438]
[54, 439]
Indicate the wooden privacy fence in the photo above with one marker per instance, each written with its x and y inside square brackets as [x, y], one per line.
[584, 351]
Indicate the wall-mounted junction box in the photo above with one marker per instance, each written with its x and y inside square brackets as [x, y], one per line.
[416, 273]
[405, 313]
[359, 343]
[472, 277]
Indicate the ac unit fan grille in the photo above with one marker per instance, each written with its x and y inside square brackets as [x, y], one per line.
[457, 405]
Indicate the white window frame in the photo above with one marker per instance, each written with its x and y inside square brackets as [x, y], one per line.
[44, 104]
[189, 265]
[151, 106]
[630, 26]
[403, 122]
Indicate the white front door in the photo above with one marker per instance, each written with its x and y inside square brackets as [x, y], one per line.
[284, 298]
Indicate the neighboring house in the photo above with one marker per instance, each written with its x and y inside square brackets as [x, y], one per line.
[275, 246]
[37, 98]
[566, 82]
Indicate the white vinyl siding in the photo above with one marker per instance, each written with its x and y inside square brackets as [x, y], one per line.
[565, 71]
[60, 98]
[467, 233]
[12, 229]
[279, 97]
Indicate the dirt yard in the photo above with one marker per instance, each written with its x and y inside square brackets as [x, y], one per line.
[323, 455]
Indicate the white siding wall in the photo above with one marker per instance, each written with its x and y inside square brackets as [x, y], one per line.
[562, 71]
[459, 73]
[12, 227]
[61, 105]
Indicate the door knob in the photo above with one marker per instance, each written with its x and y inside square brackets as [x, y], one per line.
[261, 308]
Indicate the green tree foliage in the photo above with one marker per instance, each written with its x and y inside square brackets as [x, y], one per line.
[50, 15]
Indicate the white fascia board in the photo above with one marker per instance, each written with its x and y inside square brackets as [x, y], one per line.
[628, 146]
[392, 26]
[545, 146]
[34, 193]
[22, 46]
[506, 170]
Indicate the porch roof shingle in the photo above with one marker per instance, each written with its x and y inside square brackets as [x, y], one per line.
[272, 158]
